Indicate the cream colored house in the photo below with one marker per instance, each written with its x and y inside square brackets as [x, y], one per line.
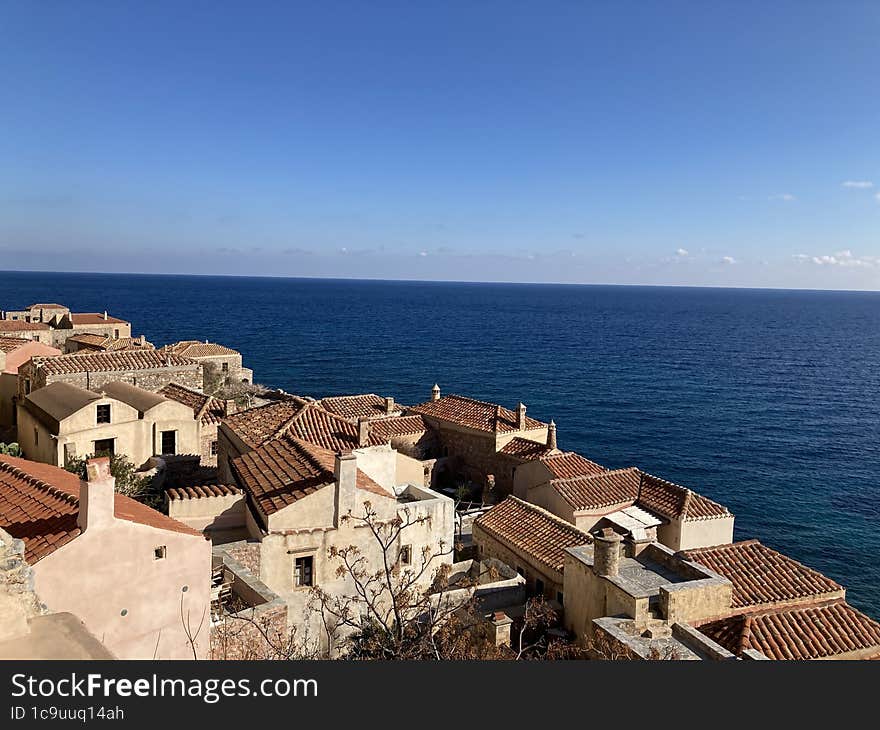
[139, 580]
[13, 352]
[61, 422]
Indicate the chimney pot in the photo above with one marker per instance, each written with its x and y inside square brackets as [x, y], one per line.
[606, 553]
[230, 407]
[551, 435]
[435, 392]
[389, 405]
[105, 314]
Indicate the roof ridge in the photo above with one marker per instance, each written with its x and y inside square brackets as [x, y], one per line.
[547, 513]
[580, 477]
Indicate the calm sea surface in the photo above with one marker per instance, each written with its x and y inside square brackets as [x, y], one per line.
[766, 401]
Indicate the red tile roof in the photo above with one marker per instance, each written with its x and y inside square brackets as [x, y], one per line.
[18, 325]
[198, 491]
[208, 409]
[762, 576]
[568, 464]
[111, 361]
[11, 344]
[525, 449]
[600, 490]
[673, 501]
[353, 407]
[475, 414]
[255, 426]
[197, 348]
[529, 530]
[286, 469]
[817, 631]
[107, 343]
[39, 504]
[387, 428]
[81, 318]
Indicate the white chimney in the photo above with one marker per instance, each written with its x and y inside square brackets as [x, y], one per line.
[96, 496]
[551, 435]
[389, 405]
[345, 474]
[105, 314]
[435, 392]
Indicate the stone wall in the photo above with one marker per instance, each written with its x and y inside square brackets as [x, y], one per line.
[18, 602]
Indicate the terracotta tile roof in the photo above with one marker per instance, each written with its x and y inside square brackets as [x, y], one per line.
[673, 501]
[525, 449]
[209, 408]
[475, 414]
[39, 504]
[305, 420]
[353, 407]
[255, 426]
[81, 318]
[18, 325]
[198, 491]
[197, 348]
[762, 576]
[600, 490]
[387, 428]
[11, 344]
[568, 465]
[111, 344]
[110, 361]
[530, 530]
[812, 632]
[286, 469]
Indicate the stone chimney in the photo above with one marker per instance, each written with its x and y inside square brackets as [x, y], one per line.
[551, 435]
[389, 405]
[606, 553]
[105, 314]
[521, 417]
[142, 340]
[345, 474]
[363, 432]
[435, 392]
[230, 407]
[96, 495]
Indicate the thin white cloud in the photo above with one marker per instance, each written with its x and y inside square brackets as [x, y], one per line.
[728, 260]
[423, 253]
[878, 197]
[787, 197]
[681, 252]
[858, 184]
[843, 259]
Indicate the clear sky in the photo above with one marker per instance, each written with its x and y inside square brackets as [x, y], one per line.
[721, 143]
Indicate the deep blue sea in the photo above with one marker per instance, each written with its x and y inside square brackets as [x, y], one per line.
[767, 401]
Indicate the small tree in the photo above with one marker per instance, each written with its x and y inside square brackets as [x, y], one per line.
[11, 449]
[127, 481]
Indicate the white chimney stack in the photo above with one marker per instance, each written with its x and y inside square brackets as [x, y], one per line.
[345, 473]
[521, 417]
[389, 405]
[105, 314]
[363, 432]
[435, 392]
[551, 435]
[96, 496]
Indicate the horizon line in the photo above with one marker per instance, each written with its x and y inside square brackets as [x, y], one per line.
[441, 281]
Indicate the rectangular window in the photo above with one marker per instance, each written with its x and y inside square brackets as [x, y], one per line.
[406, 554]
[539, 587]
[27, 386]
[226, 367]
[115, 334]
[104, 413]
[36, 437]
[303, 571]
[104, 447]
[213, 448]
[159, 552]
[169, 442]
[559, 598]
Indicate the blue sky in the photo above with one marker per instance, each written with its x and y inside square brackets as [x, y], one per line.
[715, 143]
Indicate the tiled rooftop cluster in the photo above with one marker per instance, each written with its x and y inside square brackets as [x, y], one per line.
[110, 361]
[197, 349]
[475, 414]
[206, 408]
[354, 407]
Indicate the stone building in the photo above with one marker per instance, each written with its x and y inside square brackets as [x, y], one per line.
[629, 499]
[473, 434]
[139, 580]
[94, 323]
[49, 314]
[147, 369]
[208, 411]
[532, 541]
[62, 422]
[14, 352]
[36, 331]
[299, 497]
[220, 362]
